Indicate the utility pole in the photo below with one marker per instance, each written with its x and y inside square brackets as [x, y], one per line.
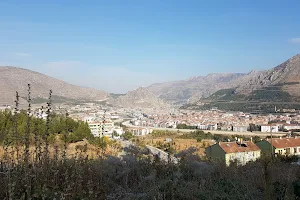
[272, 141]
[103, 123]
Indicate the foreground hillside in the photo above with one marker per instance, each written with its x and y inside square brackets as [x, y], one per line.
[14, 79]
[138, 175]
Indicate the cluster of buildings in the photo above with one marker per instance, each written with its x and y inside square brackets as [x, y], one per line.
[102, 120]
[219, 120]
[243, 152]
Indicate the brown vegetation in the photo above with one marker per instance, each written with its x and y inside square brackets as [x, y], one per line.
[180, 144]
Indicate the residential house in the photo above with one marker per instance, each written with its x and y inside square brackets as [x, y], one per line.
[281, 146]
[211, 127]
[140, 131]
[242, 152]
[291, 126]
[240, 128]
[202, 127]
[269, 128]
[226, 128]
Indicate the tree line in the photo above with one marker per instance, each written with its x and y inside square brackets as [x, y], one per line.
[13, 127]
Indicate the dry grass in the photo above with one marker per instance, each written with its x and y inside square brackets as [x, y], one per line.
[81, 149]
[179, 144]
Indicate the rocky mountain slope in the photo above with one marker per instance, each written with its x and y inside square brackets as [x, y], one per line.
[285, 75]
[263, 90]
[195, 88]
[139, 98]
[14, 79]
[201, 86]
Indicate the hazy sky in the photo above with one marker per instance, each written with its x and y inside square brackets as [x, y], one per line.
[119, 45]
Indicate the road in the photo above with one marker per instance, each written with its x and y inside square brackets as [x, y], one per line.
[262, 134]
[153, 150]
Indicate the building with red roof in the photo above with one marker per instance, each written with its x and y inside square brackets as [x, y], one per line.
[281, 146]
[239, 151]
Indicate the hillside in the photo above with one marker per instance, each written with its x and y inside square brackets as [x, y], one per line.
[139, 98]
[14, 79]
[278, 86]
[285, 75]
[191, 90]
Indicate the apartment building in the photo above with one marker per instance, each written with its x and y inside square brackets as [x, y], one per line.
[240, 151]
[267, 128]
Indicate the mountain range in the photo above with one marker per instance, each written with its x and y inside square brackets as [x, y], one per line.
[195, 88]
[263, 91]
[226, 90]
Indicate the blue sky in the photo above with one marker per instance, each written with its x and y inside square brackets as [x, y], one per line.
[120, 45]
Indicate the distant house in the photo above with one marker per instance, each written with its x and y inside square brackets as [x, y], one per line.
[202, 127]
[291, 126]
[281, 146]
[242, 152]
[141, 131]
[240, 128]
[207, 127]
[212, 127]
[226, 128]
[269, 128]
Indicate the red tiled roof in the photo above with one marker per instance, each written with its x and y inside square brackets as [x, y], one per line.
[285, 142]
[233, 147]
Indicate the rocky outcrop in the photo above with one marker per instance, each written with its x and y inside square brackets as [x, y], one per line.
[139, 98]
[193, 88]
[285, 75]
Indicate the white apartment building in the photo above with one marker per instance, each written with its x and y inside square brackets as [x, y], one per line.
[96, 128]
[207, 127]
[269, 128]
[108, 128]
[100, 129]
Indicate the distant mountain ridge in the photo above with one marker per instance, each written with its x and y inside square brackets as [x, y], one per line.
[264, 90]
[194, 88]
[14, 79]
[284, 74]
[280, 84]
